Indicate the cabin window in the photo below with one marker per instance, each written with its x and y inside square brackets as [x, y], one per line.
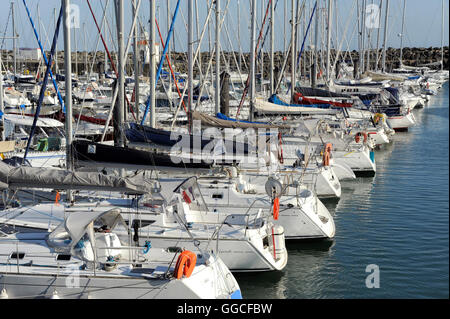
[17, 255]
[62, 257]
[265, 242]
[217, 196]
[141, 223]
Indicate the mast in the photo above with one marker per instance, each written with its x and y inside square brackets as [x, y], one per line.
[136, 63]
[56, 48]
[378, 43]
[330, 15]
[386, 19]
[68, 88]
[272, 42]
[285, 19]
[262, 46]
[252, 60]
[2, 106]
[401, 34]
[14, 38]
[363, 38]
[217, 80]
[169, 18]
[293, 20]
[86, 68]
[239, 33]
[120, 107]
[316, 42]
[191, 62]
[152, 63]
[442, 37]
[76, 51]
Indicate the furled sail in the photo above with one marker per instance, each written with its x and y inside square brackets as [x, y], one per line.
[36, 177]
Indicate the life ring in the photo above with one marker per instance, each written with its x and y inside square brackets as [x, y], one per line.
[327, 154]
[89, 89]
[185, 264]
[276, 208]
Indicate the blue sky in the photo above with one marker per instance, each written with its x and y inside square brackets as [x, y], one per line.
[422, 22]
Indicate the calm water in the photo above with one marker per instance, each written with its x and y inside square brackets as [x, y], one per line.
[397, 220]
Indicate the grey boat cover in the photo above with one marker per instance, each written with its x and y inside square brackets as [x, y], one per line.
[35, 177]
[209, 120]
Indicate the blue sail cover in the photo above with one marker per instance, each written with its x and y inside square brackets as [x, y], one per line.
[276, 100]
[226, 118]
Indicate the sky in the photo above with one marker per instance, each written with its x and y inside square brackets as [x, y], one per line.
[423, 23]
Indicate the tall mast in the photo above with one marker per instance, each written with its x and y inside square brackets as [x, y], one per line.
[272, 43]
[86, 68]
[386, 19]
[252, 61]
[262, 45]
[316, 42]
[2, 106]
[152, 64]
[363, 38]
[105, 53]
[191, 62]
[14, 37]
[442, 37]
[76, 50]
[401, 34]
[136, 63]
[330, 15]
[199, 59]
[293, 21]
[68, 89]
[119, 110]
[239, 33]
[217, 91]
[169, 19]
[285, 19]
[56, 47]
[378, 42]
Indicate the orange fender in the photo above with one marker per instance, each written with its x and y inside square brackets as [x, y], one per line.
[276, 208]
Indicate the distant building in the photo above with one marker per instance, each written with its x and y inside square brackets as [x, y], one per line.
[29, 54]
[144, 50]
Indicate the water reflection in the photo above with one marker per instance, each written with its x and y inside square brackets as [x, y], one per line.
[302, 277]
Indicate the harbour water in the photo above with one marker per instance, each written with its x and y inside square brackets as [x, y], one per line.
[398, 221]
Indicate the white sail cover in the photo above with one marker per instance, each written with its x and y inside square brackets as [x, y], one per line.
[266, 107]
[34, 177]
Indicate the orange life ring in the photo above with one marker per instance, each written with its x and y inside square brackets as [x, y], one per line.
[276, 208]
[185, 264]
[89, 89]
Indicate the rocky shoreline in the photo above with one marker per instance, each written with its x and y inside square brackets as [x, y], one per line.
[411, 56]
